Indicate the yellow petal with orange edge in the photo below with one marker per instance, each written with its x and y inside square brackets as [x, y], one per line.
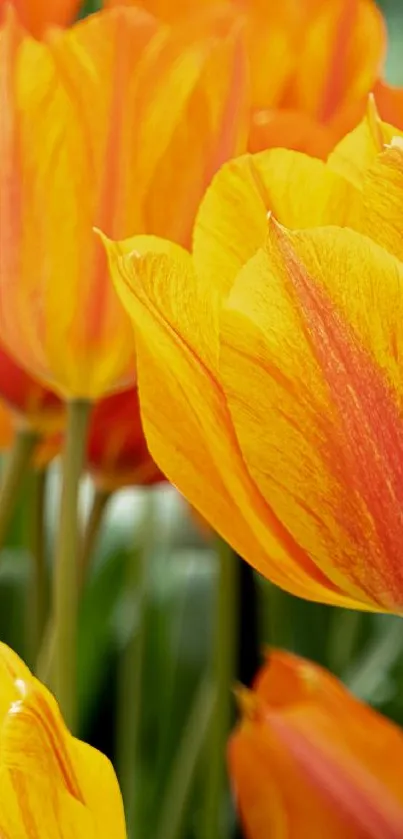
[232, 221]
[185, 417]
[311, 350]
[358, 149]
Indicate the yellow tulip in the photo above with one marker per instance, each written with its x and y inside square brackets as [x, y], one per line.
[51, 785]
[118, 122]
[277, 357]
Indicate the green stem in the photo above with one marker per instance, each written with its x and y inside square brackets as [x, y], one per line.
[172, 822]
[224, 663]
[131, 666]
[93, 524]
[38, 594]
[17, 465]
[65, 588]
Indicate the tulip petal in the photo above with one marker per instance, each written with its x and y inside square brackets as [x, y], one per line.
[310, 363]
[357, 150]
[382, 201]
[341, 58]
[45, 763]
[186, 421]
[232, 221]
[302, 761]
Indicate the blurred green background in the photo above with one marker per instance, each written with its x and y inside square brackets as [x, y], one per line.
[150, 597]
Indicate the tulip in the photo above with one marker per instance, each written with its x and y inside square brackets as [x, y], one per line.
[78, 149]
[52, 785]
[276, 356]
[117, 453]
[312, 64]
[36, 15]
[308, 759]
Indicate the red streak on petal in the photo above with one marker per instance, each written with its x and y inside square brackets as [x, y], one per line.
[369, 454]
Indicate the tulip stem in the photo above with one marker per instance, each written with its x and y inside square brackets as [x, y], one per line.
[224, 665]
[65, 583]
[38, 551]
[16, 468]
[132, 662]
[92, 527]
[172, 821]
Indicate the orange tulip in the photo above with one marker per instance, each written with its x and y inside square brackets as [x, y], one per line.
[312, 64]
[310, 760]
[36, 15]
[52, 785]
[117, 453]
[80, 116]
[276, 355]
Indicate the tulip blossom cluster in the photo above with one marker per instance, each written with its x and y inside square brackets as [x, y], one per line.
[201, 281]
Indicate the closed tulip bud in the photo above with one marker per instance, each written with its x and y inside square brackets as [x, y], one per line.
[310, 760]
[118, 123]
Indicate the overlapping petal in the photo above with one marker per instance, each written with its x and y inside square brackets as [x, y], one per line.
[193, 439]
[312, 328]
[302, 762]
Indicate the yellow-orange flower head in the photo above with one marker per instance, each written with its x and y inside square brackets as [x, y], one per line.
[277, 354]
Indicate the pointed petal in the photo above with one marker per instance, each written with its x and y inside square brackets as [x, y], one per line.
[232, 221]
[309, 326]
[357, 151]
